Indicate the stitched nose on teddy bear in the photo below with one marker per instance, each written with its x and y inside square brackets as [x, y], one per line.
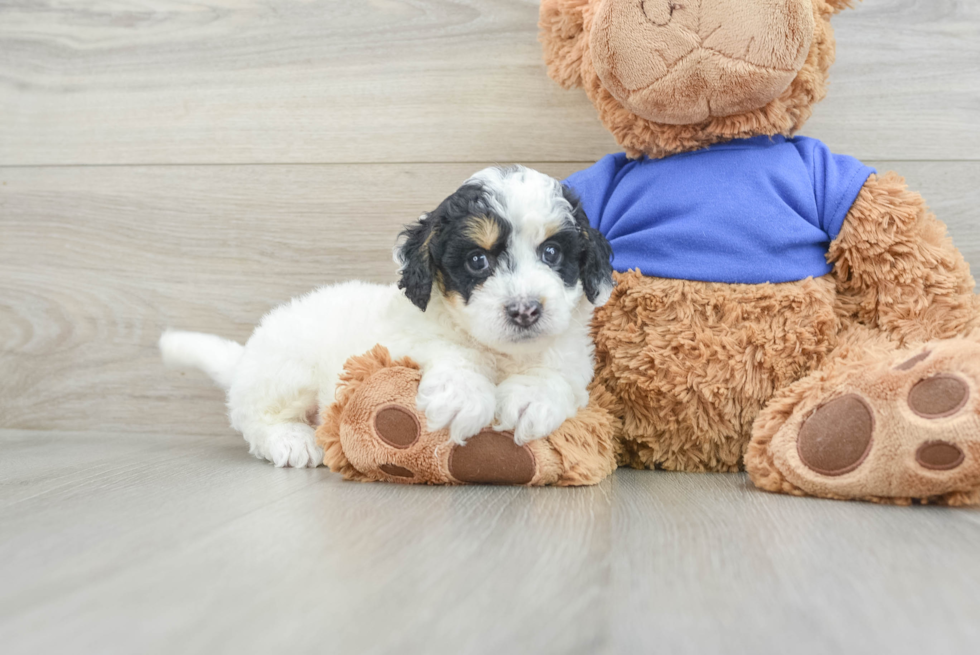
[682, 62]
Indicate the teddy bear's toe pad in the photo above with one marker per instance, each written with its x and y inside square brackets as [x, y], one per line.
[939, 396]
[939, 456]
[837, 437]
[492, 458]
[910, 363]
[396, 471]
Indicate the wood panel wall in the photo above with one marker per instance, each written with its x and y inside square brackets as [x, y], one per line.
[193, 163]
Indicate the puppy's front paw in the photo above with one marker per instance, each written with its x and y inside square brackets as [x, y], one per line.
[532, 411]
[291, 445]
[461, 399]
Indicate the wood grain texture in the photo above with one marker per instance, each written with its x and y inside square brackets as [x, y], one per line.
[211, 81]
[708, 564]
[146, 544]
[163, 544]
[96, 262]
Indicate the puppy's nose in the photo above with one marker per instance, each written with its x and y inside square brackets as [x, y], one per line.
[524, 313]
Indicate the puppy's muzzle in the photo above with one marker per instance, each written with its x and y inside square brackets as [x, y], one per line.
[524, 313]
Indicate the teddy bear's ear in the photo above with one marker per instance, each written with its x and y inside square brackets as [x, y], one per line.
[562, 34]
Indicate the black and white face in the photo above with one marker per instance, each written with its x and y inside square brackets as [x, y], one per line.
[510, 255]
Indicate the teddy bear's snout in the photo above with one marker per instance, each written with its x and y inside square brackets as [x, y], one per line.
[684, 62]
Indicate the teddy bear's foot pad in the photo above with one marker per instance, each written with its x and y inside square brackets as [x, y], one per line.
[905, 431]
[487, 458]
[492, 458]
[837, 438]
[385, 438]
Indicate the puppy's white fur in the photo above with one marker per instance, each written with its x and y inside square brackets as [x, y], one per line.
[476, 367]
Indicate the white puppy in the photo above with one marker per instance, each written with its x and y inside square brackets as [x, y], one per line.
[499, 285]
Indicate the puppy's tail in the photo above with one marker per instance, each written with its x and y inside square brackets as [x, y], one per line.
[215, 356]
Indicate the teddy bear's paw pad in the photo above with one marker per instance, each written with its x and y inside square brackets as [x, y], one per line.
[910, 363]
[397, 427]
[492, 458]
[939, 456]
[939, 396]
[396, 471]
[837, 437]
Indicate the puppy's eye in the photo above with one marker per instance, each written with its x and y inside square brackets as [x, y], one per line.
[477, 263]
[551, 254]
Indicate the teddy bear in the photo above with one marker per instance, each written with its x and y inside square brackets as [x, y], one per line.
[778, 308]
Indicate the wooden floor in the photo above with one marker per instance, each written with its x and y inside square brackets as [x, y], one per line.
[180, 544]
[192, 163]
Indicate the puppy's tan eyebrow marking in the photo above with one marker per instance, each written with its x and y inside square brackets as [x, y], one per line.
[483, 231]
[428, 240]
[551, 229]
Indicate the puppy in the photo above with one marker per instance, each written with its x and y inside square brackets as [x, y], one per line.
[499, 283]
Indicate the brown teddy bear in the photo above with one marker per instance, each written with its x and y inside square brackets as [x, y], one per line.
[778, 307]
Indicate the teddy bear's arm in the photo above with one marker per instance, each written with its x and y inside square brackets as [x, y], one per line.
[562, 35]
[896, 268]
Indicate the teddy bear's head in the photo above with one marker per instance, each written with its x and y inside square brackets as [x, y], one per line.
[670, 76]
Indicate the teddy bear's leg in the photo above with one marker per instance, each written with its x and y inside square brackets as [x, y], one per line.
[879, 423]
[690, 364]
[374, 432]
[887, 419]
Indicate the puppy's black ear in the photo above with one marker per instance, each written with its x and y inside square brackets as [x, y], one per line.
[595, 264]
[416, 261]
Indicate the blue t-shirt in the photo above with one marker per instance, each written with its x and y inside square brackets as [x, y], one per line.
[748, 211]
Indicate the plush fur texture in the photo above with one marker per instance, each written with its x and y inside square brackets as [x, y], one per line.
[868, 365]
[499, 283]
[775, 378]
[712, 60]
[896, 269]
[692, 363]
[580, 452]
[566, 27]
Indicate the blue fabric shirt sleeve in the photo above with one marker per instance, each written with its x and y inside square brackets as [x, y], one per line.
[837, 181]
[594, 184]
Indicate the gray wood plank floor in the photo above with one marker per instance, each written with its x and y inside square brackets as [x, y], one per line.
[165, 544]
[192, 163]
